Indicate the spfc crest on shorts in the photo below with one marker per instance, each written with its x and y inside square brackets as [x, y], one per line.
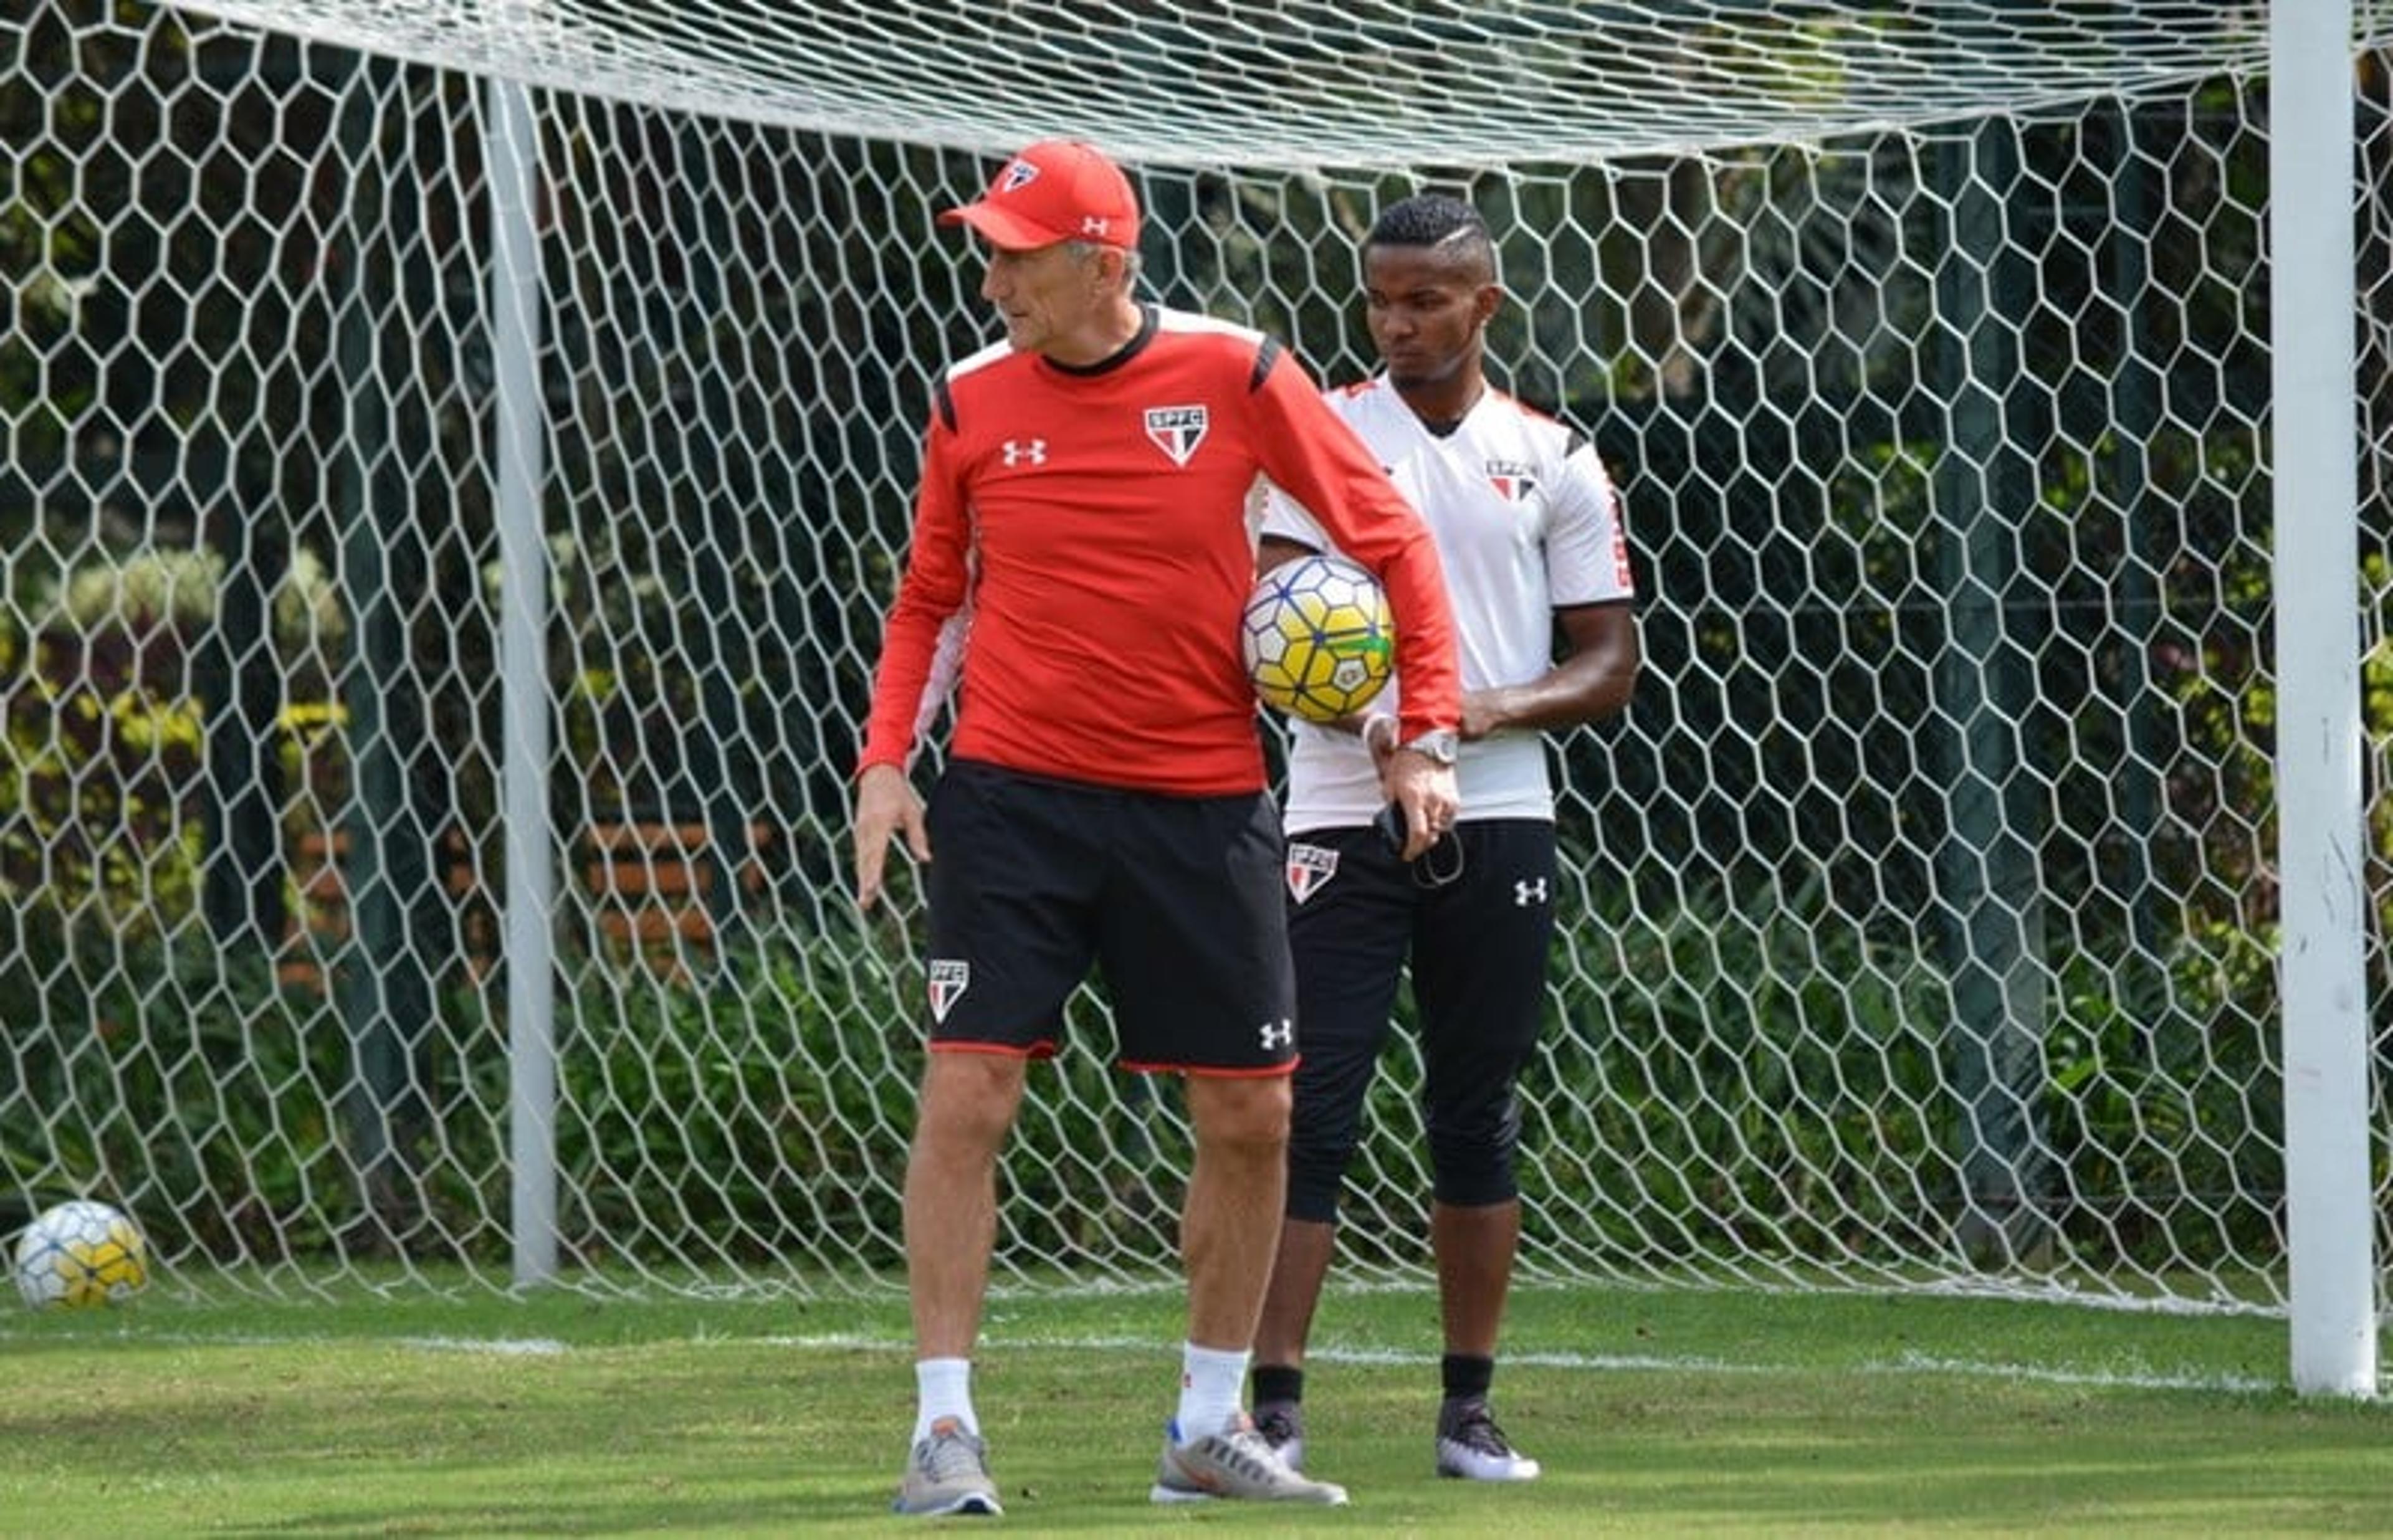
[1308, 867]
[949, 978]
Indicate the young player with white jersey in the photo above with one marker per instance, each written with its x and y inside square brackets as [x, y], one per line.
[1079, 561]
[1529, 536]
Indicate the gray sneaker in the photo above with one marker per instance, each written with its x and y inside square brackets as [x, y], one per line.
[1282, 1424]
[949, 1473]
[1235, 1462]
[1472, 1448]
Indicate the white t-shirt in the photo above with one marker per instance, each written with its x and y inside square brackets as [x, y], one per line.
[1526, 522]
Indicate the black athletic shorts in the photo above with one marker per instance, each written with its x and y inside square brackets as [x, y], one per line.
[1477, 946]
[1176, 900]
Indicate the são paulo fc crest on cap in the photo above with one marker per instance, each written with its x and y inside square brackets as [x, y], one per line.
[1177, 430]
[1021, 173]
[949, 978]
[1308, 867]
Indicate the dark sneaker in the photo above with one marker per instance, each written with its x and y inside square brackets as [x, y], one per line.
[1235, 1462]
[949, 1473]
[1470, 1446]
[1282, 1424]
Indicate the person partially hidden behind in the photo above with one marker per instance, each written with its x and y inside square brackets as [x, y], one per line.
[1529, 537]
[1083, 499]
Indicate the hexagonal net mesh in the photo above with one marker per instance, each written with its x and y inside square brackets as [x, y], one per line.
[1920, 910]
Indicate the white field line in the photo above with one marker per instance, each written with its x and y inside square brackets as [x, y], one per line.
[1922, 1364]
[1907, 1363]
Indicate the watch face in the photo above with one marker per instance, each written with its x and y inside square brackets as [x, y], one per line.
[1438, 746]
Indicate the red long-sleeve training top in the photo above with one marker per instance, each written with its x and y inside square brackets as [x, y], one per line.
[1081, 552]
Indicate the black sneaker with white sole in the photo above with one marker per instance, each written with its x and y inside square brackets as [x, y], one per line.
[1281, 1423]
[1472, 1448]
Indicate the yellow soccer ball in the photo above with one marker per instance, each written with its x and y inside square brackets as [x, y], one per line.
[80, 1253]
[1318, 638]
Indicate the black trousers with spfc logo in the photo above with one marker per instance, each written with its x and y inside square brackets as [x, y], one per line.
[1477, 931]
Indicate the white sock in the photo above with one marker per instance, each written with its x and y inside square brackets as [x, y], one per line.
[1210, 1382]
[943, 1388]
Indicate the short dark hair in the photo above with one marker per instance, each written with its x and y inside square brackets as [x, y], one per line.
[1435, 219]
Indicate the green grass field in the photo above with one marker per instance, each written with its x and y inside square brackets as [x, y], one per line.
[1655, 1414]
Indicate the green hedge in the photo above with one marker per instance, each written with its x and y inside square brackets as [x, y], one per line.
[1761, 1058]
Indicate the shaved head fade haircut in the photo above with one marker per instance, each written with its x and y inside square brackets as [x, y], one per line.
[1438, 222]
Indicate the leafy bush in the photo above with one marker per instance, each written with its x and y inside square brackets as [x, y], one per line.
[2163, 1085]
[1761, 1056]
[766, 1105]
[1757, 1061]
[183, 1081]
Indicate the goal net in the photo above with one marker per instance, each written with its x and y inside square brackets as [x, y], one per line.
[1921, 912]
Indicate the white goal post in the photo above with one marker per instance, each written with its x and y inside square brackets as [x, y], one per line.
[458, 451]
[2329, 1217]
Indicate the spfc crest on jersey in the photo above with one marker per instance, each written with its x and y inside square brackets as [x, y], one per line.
[1176, 430]
[1511, 480]
[1308, 867]
[949, 978]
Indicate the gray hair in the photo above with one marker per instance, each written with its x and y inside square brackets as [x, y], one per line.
[1083, 250]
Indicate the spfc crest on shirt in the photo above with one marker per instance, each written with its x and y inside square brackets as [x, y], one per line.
[1511, 480]
[1176, 430]
[949, 978]
[1308, 867]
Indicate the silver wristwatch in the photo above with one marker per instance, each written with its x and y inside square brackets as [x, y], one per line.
[1439, 746]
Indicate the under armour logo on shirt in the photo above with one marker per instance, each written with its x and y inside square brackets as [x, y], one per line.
[1528, 892]
[1278, 1034]
[1019, 452]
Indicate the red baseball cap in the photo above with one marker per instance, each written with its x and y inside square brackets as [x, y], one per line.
[1056, 190]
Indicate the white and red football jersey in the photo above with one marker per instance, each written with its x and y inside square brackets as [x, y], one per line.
[1526, 522]
[1081, 548]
